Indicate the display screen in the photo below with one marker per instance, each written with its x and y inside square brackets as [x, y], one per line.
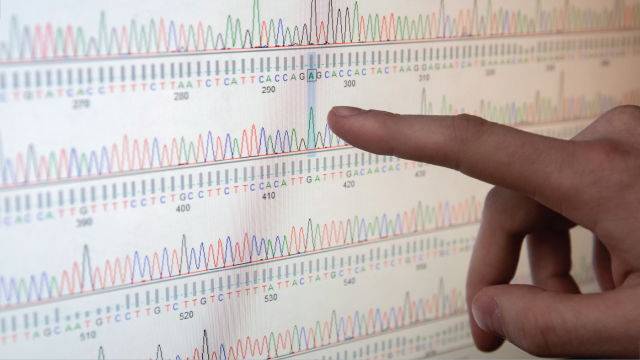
[170, 188]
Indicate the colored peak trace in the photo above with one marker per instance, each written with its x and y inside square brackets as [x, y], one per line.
[441, 304]
[351, 25]
[82, 277]
[145, 154]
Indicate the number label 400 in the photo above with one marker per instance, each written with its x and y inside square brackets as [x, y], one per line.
[183, 208]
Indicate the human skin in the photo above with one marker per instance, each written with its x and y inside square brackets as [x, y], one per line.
[543, 188]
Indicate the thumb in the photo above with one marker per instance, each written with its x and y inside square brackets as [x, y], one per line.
[553, 324]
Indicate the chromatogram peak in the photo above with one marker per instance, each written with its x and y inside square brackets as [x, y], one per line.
[542, 109]
[147, 154]
[338, 329]
[83, 277]
[350, 25]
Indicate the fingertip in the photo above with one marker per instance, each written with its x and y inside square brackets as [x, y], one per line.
[486, 313]
[485, 341]
[341, 118]
[360, 128]
[346, 110]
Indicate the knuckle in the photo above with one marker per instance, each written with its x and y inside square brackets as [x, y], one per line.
[467, 127]
[493, 197]
[534, 335]
[619, 123]
[631, 112]
[620, 118]
[466, 130]
[612, 155]
[609, 150]
[538, 333]
[513, 213]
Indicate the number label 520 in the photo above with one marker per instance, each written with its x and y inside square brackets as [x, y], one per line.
[186, 315]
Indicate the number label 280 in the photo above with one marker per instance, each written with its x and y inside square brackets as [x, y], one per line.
[179, 96]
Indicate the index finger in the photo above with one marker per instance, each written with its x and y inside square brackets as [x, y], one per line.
[535, 165]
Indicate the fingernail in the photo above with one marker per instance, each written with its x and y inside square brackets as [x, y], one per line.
[486, 312]
[346, 110]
